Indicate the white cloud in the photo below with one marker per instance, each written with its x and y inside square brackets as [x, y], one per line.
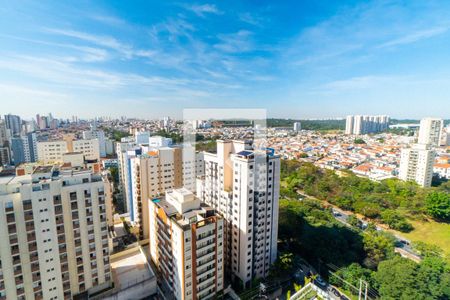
[250, 19]
[102, 40]
[415, 36]
[235, 42]
[201, 10]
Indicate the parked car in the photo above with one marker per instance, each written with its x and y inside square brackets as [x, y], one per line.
[320, 281]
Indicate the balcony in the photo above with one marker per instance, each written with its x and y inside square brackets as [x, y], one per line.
[63, 259]
[18, 271]
[29, 227]
[18, 280]
[27, 206]
[10, 218]
[76, 235]
[12, 229]
[32, 247]
[64, 268]
[36, 277]
[58, 209]
[57, 201]
[15, 250]
[61, 239]
[34, 258]
[34, 267]
[60, 231]
[28, 216]
[13, 240]
[77, 243]
[90, 222]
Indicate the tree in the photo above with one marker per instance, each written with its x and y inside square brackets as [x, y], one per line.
[438, 205]
[400, 278]
[396, 279]
[353, 220]
[395, 220]
[352, 274]
[378, 246]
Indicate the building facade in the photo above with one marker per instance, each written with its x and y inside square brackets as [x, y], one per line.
[416, 164]
[430, 131]
[186, 245]
[242, 184]
[53, 151]
[54, 234]
[366, 124]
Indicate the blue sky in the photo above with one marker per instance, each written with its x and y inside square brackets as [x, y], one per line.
[298, 59]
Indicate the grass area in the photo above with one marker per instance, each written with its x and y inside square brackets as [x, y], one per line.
[431, 232]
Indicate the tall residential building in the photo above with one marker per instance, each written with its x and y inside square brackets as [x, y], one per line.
[149, 172]
[24, 148]
[349, 125]
[100, 136]
[14, 124]
[53, 151]
[416, 164]
[5, 153]
[366, 124]
[187, 245]
[243, 185]
[297, 126]
[54, 234]
[430, 131]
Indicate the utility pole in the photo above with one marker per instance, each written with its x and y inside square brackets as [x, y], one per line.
[366, 286]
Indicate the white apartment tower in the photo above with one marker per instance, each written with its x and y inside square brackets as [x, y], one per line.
[416, 164]
[430, 131]
[349, 125]
[242, 184]
[366, 124]
[54, 241]
[187, 245]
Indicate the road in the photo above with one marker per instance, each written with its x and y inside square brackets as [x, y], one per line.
[342, 216]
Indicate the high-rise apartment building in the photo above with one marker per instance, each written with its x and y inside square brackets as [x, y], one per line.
[14, 124]
[186, 245]
[242, 184]
[24, 148]
[416, 164]
[366, 124]
[297, 126]
[53, 151]
[147, 172]
[430, 131]
[5, 152]
[98, 135]
[349, 122]
[54, 241]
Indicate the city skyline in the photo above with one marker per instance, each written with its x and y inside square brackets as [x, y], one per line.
[297, 60]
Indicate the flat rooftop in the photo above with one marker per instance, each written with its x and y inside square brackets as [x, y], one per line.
[130, 267]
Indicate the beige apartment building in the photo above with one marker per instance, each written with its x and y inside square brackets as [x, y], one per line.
[186, 244]
[54, 236]
[53, 151]
[149, 172]
[242, 185]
